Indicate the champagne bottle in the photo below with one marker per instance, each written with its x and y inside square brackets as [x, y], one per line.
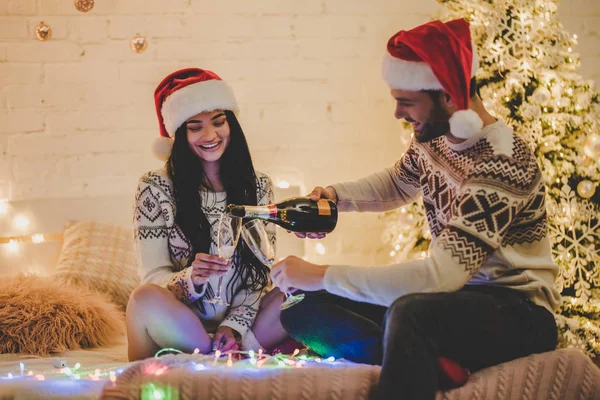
[298, 214]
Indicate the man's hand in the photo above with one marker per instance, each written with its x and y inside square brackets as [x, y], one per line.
[316, 194]
[294, 273]
[206, 265]
[226, 339]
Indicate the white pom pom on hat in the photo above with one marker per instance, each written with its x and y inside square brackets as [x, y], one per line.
[465, 123]
[161, 148]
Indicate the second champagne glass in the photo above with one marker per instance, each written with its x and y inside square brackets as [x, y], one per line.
[256, 237]
[228, 235]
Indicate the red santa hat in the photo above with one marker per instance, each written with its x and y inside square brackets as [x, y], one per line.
[436, 56]
[182, 95]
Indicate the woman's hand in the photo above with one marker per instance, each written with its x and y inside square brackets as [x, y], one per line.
[206, 265]
[226, 339]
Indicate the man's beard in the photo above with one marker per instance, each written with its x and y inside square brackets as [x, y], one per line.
[436, 125]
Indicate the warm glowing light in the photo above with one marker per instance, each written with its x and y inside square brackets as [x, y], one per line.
[37, 238]
[320, 248]
[3, 206]
[21, 222]
[13, 246]
[283, 184]
[392, 253]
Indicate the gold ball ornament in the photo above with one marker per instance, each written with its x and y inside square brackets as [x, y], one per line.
[43, 32]
[84, 5]
[592, 145]
[138, 44]
[586, 189]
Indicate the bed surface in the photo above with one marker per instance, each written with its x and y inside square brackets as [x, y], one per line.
[57, 384]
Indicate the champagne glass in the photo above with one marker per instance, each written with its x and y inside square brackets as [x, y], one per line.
[228, 235]
[256, 237]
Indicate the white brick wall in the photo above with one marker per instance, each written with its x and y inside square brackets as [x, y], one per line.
[77, 113]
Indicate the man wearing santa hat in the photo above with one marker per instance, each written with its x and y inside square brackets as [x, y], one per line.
[485, 293]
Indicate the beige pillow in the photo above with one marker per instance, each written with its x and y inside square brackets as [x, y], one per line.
[99, 256]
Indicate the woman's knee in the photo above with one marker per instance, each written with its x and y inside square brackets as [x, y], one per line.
[146, 295]
[275, 296]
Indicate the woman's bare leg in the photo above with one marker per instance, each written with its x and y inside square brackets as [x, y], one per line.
[267, 327]
[156, 320]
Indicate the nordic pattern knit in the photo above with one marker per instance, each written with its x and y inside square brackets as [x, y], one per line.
[485, 205]
[164, 250]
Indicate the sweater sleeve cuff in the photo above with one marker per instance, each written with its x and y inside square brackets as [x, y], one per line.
[238, 326]
[182, 286]
[343, 198]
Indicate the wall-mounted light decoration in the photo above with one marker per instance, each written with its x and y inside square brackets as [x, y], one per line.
[43, 32]
[84, 5]
[138, 44]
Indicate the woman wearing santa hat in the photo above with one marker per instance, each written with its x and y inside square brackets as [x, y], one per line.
[177, 209]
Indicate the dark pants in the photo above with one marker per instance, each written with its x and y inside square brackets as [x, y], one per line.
[477, 327]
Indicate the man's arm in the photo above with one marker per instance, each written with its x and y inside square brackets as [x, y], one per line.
[382, 191]
[486, 208]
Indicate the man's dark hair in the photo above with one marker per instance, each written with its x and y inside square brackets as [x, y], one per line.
[473, 90]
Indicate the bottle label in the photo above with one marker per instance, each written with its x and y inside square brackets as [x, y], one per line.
[323, 207]
[261, 211]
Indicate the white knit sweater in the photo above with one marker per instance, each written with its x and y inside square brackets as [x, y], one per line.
[163, 251]
[485, 205]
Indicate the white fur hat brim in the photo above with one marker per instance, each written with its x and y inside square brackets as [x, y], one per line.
[415, 75]
[194, 99]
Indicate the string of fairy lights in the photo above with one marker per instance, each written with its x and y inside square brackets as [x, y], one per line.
[21, 223]
[175, 358]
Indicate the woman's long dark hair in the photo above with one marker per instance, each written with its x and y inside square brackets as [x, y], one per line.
[239, 180]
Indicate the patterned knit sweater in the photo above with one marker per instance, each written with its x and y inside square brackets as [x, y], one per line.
[163, 250]
[485, 205]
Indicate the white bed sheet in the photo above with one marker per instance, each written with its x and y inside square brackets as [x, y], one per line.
[94, 373]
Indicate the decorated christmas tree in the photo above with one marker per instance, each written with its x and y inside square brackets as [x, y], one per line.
[527, 77]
